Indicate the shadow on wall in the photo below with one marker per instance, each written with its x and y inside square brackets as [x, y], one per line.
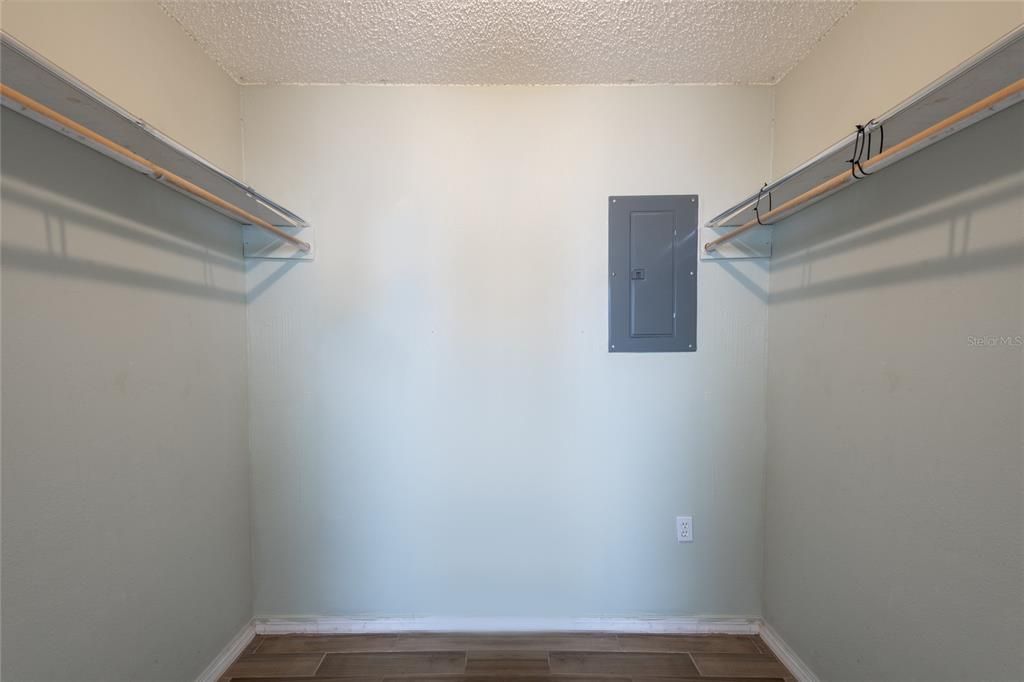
[959, 259]
[748, 284]
[973, 178]
[274, 271]
[72, 190]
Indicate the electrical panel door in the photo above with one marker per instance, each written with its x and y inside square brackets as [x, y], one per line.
[652, 273]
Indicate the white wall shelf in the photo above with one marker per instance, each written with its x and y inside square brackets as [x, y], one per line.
[999, 66]
[30, 74]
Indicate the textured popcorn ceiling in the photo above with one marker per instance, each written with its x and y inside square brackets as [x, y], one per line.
[505, 42]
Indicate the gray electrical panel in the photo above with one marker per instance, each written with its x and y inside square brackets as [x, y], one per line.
[652, 274]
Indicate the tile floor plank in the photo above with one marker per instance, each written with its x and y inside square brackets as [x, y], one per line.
[318, 679]
[689, 644]
[393, 664]
[277, 665]
[507, 663]
[739, 665]
[525, 678]
[507, 641]
[473, 678]
[705, 679]
[328, 644]
[628, 664]
[253, 645]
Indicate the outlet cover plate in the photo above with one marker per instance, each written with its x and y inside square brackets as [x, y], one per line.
[684, 529]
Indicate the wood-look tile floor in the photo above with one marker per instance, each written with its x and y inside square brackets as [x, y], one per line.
[516, 657]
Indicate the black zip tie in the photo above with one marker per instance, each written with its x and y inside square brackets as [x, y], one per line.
[862, 141]
[760, 193]
[856, 152]
[881, 137]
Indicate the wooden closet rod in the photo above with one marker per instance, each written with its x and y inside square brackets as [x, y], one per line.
[154, 171]
[889, 156]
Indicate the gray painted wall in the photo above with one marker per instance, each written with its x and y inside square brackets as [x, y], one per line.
[438, 428]
[894, 473]
[125, 468]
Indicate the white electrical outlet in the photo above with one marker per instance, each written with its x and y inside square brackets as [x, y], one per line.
[684, 529]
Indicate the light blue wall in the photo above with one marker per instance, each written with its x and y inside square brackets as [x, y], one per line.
[126, 551]
[437, 426]
[895, 492]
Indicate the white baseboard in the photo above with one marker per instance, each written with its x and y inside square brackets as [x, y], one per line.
[280, 625]
[785, 653]
[228, 654]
